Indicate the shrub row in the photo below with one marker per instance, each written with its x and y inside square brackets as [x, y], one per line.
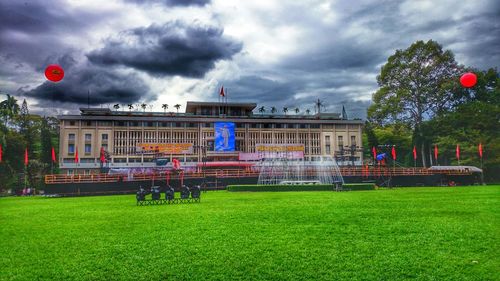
[302, 187]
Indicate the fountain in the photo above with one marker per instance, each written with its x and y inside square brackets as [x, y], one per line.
[283, 170]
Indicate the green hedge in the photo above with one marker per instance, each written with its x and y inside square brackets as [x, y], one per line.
[302, 187]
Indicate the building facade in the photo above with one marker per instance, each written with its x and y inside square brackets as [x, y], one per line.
[125, 136]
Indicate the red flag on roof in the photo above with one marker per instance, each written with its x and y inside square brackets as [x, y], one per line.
[458, 152]
[414, 153]
[0, 153]
[26, 160]
[436, 152]
[480, 148]
[374, 151]
[222, 94]
[393, 153]
[76, 156]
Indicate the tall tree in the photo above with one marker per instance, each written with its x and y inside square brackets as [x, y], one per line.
[262, 109]
[415, 85]
[46, 143]
[177, 106]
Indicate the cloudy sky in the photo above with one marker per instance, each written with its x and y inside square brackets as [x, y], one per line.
[275, 53]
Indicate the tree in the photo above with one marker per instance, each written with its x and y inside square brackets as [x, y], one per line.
[285, 110]
[297, 110]
[9, 109]
[308, 111]
[143, 106]
[46, 143]
[262, 109]
[116, 107]
[164, 106]
[415, 85]
[130, 107]
[177, 106]
[273, 110]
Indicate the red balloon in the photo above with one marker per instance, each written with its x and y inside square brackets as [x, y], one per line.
[468, 80]
[54, 73]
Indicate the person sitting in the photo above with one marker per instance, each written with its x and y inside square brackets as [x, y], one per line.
[195, 192]
[141, 194]
[169, 193]
[155, 193]
[185, 192]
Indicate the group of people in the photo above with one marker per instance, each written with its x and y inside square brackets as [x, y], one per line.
[28, 191]
[169, 192]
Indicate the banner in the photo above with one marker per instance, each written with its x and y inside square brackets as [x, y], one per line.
[255, 156]
[166, 148]
[224, 136]
[279, 147]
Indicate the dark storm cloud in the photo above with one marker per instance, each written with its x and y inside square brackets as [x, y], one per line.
[105, 85]
[174, 48]
[172, 2]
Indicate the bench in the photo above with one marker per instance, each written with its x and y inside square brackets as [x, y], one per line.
[187, 196]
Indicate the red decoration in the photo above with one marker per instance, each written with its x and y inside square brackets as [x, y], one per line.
[468, 80]
[480, 148]
[26, 160]
[103, 158]
[374, 151]
[0, 153]
[458, 152]
[414, 153]
[436, 152]
[393, 153]
[54, 159]
[54, 73]
[76, 156]
[222, 94]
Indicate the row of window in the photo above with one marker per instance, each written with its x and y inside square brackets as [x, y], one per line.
[208, 125]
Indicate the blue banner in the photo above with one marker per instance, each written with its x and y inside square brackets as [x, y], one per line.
[224, 136]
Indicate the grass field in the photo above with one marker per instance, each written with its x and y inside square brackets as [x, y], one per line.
[407, 233]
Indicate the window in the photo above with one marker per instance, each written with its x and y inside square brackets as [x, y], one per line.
[104, 137]
[191, 125]
[315, 126]
[104, 123]
[304, 126]
[70, 172]
[119, 160]
[353, 140]
[88, 148]
[88, 123]
[208, 125]
[149, 124]
[164, 124]
[71, 148]
[72, 123]
[206, 111]
[268, 126]
[341, 141]
[120, 123]
[254, 125]
[71, 137]
[179, 125]
[133, 124]
[278, 126]
[240, 125]
[88, 137]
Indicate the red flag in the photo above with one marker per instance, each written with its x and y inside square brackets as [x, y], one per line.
[103, 158]
[393, 153]
[0, 153]
[54, 159]
[414, 152]
[480, 152]
[222, 94]
[26, 157]
[436, 152]
[374, 151]
[458, 152]
[76, 156]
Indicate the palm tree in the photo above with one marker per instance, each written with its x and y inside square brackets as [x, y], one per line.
[130, 106]
[273, 110]
[151, 107]
[164, 106]
[262, 109]
[308, 111]
[143, 106]
[116, 107]
[297, 111]
[9, 108]
[285, 110]
[177, 106]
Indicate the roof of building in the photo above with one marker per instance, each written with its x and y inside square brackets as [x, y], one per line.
[192, 105]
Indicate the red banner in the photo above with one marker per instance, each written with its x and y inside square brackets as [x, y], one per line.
[480, 148]
[436, 152]
[26, 160]
[393, 153]
[458, 152]
[54, 159]
[76, 156]
[414, 153]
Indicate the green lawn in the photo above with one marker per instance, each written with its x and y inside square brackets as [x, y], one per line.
[407, 233]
